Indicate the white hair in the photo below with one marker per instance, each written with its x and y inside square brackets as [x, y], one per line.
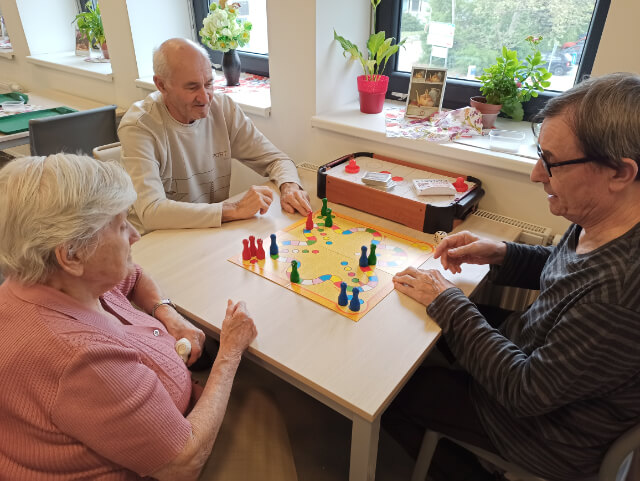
[62, 199]
[161, 67]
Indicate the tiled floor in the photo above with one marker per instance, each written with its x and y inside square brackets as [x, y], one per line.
[321, 438]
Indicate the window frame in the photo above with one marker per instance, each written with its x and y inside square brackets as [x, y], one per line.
[254, 63]
[459, 91]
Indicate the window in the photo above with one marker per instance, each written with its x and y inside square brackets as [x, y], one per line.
[254, 57]
[465, 36]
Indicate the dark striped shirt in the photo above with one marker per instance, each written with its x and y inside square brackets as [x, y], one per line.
[558, 383]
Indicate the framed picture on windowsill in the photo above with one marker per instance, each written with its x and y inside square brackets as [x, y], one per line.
[426, 91]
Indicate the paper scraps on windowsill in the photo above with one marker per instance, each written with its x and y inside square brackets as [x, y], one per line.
[439, 127]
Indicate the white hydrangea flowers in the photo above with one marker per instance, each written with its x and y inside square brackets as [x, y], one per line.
[222, 29]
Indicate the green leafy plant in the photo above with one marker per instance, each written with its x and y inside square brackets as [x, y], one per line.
[90, 24]
[509, 81]
[222, 29]
[379, 48]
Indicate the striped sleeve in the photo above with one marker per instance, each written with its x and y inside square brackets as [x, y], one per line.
[586, 354]
[522, 266]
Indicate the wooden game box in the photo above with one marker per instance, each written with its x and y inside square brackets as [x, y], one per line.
[400, 204]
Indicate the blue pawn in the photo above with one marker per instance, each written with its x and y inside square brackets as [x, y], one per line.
[273, 248]
[354, 305]
[343, 299]
[364, 260]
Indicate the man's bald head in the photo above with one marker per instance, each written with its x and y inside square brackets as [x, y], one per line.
[168, 54]
[183, 75]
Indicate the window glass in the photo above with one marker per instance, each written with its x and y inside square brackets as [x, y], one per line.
[255, 11]
[5, 42]
[465, 35]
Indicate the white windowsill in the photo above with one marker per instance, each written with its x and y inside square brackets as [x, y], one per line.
[6, 54]
[350, 121]
[70, 62]
[254, 103]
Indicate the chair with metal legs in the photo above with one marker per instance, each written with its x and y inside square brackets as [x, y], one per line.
[614, 467]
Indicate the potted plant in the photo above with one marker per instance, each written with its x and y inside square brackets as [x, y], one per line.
[372, 86]
[89, 23]
[222, 30]
[509, 82]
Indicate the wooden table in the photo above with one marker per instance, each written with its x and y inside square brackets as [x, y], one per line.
[354, 368]
[49, 99]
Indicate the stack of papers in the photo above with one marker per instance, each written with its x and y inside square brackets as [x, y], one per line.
[433, 187]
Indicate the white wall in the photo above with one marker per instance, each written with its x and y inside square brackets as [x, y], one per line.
[618, 51]
[309, 75]
[39, 16]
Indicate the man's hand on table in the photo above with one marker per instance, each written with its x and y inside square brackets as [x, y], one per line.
[257, 199]
[422, 285]
[294, 199]
[467, 248]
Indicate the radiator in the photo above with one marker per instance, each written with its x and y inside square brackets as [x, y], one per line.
[511, 298]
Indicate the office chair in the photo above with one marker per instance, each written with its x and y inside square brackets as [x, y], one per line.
[77, 132]
[614, 466]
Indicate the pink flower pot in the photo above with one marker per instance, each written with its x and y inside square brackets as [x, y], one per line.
[489, 111]
[372, 93]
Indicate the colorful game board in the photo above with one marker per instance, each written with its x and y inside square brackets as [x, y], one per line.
[327, 256]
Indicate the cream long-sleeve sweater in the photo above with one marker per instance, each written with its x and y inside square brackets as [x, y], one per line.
[182, 172]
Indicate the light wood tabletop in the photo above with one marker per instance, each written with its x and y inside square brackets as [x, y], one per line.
[356, 368]
[49, 99]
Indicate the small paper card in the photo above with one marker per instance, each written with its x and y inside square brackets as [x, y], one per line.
[433, 187]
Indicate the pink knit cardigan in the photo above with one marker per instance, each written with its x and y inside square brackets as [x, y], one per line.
[83, 397]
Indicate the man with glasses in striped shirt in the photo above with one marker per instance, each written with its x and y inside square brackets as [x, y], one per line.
[550, 388]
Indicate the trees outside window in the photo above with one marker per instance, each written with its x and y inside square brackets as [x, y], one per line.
[465, 36]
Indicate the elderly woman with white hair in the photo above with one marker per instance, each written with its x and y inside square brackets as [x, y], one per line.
[93, 387]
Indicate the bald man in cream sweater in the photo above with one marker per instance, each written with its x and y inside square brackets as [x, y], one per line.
[177, 146]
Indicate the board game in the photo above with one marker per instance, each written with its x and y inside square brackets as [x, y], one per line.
[327, 256]
[341, 183]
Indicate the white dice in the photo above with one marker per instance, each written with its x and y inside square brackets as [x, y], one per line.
[183, 348]
[439, 236]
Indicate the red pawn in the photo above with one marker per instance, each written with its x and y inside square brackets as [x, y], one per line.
[246, 252]
[260, 253]
[352, 167]
[460, 185]
[309, 225]
[252, 245]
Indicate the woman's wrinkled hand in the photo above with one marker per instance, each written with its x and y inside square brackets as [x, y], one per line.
[238, 330]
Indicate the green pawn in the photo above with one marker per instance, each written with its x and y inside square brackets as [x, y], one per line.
[295, 276]
[372, 256]
[323, 211]
[328, 221]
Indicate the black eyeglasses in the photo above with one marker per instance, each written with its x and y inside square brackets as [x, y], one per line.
[548, 166]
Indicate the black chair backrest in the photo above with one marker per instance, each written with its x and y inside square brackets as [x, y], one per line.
[77, 132]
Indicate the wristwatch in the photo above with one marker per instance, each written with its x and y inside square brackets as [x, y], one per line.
[163, 302]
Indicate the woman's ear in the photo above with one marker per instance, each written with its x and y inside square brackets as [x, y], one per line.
[69, 261]
[625, 175]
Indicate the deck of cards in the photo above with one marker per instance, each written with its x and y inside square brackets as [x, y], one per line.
[433, 187]
[379, 180]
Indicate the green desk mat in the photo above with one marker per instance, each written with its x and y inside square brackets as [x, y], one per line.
[12, 124]
[14, 96]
